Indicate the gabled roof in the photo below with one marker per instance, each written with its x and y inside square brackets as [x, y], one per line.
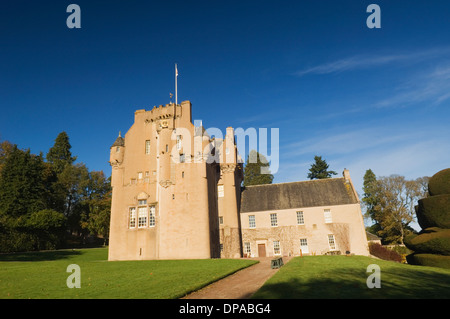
[322, 192]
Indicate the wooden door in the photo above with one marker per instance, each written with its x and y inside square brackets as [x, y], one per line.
[261, 250]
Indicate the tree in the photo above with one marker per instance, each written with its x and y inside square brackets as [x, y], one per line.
[256, 171]
[5, 148]
[319, 169]
[60, 155]
[25, 221]
[70, 191]
[97, 205]
[369, 198]
[394, 206]
[22, 187]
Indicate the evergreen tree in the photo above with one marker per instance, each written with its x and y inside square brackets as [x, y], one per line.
[370, 193]
[22, 186]
[60, 155]
[256, 171]
[319, 169]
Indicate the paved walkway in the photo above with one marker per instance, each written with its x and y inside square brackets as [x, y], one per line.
[240, 285]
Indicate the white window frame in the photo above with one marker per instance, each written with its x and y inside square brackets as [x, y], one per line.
[179, 142]
[247, 249]
[332, 242]
[300, 218]
[273, 220]
[276, 248]
[304, 245]
[327, 216]
[147, 147]
[152, 216]
[220, 191]
[251, 221]
[132, 217]
[142, 216]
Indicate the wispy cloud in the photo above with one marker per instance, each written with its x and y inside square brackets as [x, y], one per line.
[360, 62]
[432, 87]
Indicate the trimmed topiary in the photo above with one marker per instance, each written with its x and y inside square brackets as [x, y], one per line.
[431, 260]
[439, 184]
[431, 240]
[434, 211]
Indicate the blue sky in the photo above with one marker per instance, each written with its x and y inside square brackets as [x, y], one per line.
[361, 98]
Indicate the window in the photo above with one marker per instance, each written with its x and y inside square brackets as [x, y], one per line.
[247, 249]
[182, 158]
[140, 175]
[132, 222]
[327, 216]
[220, 220]
[220, 192]
[251, 221]
[147, 147]
[304, 245]
[178, 142]
[273, 220]
[142, 202]
[142, 216]
[152, 218]
[182, 174]
[331, 242]
[276, 247]
[167, 148]
[300, 219]
[117, 149]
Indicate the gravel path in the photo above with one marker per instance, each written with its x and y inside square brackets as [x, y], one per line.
[240, 285]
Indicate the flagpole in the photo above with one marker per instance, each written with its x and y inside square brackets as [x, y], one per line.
[176, 88]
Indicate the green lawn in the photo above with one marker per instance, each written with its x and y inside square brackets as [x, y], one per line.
[43, 275]
[345, 277]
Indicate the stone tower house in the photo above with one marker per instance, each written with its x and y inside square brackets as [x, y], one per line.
[176, 190]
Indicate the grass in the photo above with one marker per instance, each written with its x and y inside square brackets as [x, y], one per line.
[41, 275]
[345, 277]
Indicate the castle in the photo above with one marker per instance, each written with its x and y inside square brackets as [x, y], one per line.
[177, 195]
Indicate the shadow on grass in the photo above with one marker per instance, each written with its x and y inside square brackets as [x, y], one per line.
[347, 284]
[39, 255]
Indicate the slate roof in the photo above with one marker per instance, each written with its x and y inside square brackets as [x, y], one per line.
[120, 141]
[321, 192]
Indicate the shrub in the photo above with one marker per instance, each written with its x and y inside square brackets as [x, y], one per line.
[429, 260]
[434, 211]
[440, 183]
[431, 240]
[381, 252]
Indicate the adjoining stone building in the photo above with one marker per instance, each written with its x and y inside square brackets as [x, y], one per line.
[302, 218]
[177, 195]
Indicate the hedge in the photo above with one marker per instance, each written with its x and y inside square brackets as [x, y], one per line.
[429, 260]
[439, 183]
[431, 240]
[434, 211]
